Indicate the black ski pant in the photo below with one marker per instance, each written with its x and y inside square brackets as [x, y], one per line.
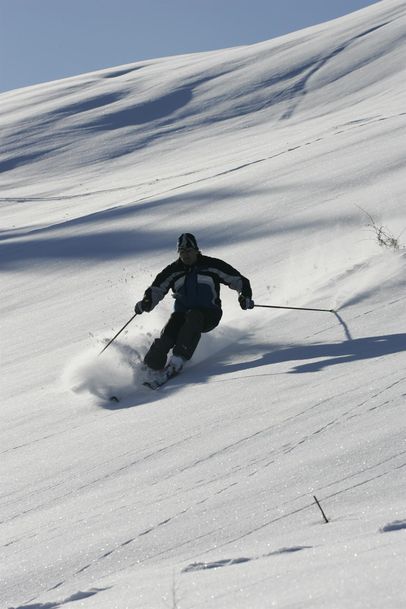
[181, 334]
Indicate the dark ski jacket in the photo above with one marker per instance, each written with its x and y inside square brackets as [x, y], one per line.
[198, 285]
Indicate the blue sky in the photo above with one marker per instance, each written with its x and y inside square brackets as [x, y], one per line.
[42, 40]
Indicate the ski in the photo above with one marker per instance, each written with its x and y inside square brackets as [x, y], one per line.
[153, 383]
[156, 383]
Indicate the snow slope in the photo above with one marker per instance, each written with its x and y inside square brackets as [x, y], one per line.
[201, 495]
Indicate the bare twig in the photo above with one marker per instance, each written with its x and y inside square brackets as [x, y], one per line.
[320, 508]
[383, 235]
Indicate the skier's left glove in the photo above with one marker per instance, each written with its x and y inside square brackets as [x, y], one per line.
[245, 303]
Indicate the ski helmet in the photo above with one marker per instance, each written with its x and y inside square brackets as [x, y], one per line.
[187, 241]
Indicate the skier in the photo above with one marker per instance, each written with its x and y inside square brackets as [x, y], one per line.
[195, 281]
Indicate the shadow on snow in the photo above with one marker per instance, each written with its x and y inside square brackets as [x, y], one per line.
[324, 355]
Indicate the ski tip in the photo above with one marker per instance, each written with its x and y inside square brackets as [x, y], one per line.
[114, 398]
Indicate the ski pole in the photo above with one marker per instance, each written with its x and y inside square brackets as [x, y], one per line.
[294, 308]
[119, 332]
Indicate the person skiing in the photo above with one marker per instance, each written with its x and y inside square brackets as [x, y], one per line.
[195, 281]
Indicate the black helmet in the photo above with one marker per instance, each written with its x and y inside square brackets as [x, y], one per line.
[186, 241]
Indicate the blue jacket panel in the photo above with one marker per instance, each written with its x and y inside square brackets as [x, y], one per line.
[195, 290]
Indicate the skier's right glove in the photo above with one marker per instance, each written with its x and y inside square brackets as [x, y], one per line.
[145, 304]
[139, 307]
[245, 303]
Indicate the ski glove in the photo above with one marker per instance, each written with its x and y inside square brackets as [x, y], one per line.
[245, 303]
[139, 308]
[145, 304]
